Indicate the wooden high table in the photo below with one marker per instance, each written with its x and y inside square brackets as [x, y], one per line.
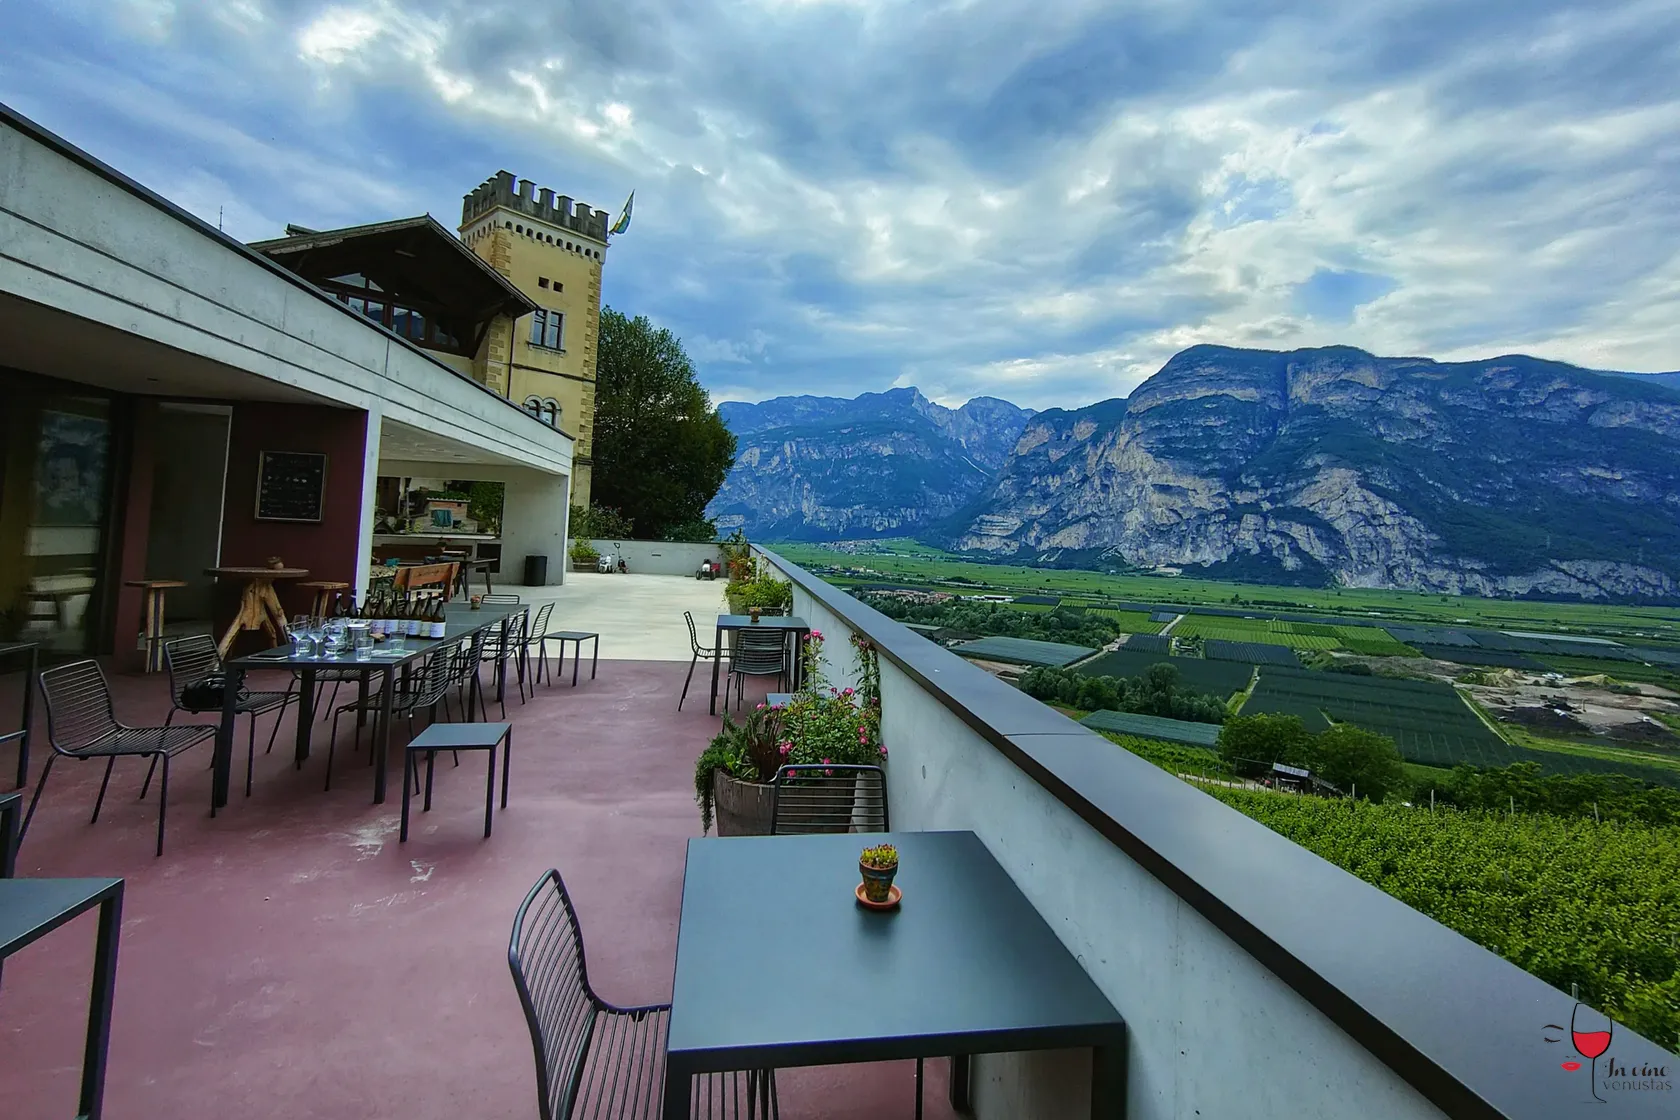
[151, 615]
[259, 606]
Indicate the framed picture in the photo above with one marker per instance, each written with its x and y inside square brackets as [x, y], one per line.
[291, 485]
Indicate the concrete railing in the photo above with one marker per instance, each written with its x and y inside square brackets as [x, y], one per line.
[1257, 980]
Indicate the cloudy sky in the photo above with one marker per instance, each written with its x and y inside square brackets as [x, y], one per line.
[1040, 201]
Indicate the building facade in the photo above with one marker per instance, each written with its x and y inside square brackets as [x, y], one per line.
[552, 250]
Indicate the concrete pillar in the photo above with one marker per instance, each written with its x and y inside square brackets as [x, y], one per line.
[370, 499]
[534, 513]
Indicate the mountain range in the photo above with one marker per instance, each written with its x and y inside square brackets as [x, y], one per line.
[1509, 475]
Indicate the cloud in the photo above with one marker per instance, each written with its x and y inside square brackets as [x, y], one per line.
[1041, 202]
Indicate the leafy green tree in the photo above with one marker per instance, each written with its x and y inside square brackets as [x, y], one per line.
[661, 450]
[1250, 744]
[1355, 760]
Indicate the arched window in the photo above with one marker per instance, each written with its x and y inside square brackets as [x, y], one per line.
[534, 406]
[551, 412]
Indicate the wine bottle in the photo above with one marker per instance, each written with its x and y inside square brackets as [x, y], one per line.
[411, 620]
[438, 625]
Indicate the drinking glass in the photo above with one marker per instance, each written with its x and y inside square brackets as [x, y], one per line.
[361, 641]
[332, 638]
[303, 636]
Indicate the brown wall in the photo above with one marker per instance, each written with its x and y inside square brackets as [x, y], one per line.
[130, 523]
[327, 549]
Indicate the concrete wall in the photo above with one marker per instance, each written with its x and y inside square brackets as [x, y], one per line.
[1213, 1032]
[660, 558]
[81, 242]
[534, 517]
[185, 528]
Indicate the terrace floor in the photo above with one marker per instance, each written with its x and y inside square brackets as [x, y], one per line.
[290, 959]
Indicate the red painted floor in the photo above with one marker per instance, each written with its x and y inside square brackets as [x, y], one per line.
[290, 959]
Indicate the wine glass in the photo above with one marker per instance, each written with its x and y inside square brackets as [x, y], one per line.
[303, 637]
[1590, 1031]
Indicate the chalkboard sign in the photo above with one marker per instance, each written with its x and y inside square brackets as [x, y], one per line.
[291, 485]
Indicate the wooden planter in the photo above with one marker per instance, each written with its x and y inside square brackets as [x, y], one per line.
[583, 565]
[741, 808]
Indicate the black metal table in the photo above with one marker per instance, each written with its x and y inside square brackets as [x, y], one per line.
[727, 622]
[964, 966]
[12, 649]
[460, 621]
[11, 811]
[32, 908]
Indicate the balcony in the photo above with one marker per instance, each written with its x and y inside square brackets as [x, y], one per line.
[289, 958]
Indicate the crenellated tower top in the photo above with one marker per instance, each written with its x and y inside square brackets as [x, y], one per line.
[533, 202]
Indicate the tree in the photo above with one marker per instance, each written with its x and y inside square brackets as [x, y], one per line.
[1250, 744]
[661, 450]
[1355, 760]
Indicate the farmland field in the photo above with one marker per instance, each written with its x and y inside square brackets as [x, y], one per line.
[912, 562]
[1217, 678]
[1132, 622]
[1430, 723]
[1249, 630]
[1255, 653]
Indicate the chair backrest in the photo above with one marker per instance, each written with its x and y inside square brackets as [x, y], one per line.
[829, 799]
[439, 675]
[501, 598]
[540, 626]
[189, 660]
[693, 634]
[545, 955]
[79, 711]
[468, 654]
[758, 652]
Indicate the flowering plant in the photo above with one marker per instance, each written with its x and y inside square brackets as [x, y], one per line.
[829, 725]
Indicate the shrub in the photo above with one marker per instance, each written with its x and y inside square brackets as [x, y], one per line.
[764, 592]
[600, 523]
[1250, 744]
[747, 752]
[824, 724]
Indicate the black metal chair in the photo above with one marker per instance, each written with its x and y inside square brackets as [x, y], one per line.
[829, 798]
[595, 1059]
[701, 652]
[469, 655]
[515, 636]
[423, 692]
[192, 660]
[82, 724]
[755, 653]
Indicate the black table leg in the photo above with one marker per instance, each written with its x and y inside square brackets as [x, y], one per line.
[361, 702]
[305, 714]
[489, 792]
[11, 806]
[1108, 1081]
[679, 1091]
[501, 666]
[507, 753]
[382, 735]
[99, 1006]
[223, 760]
[960, 1070]
[717, 640]
[28, 709]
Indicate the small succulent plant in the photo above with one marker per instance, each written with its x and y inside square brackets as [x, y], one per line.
[881, 857]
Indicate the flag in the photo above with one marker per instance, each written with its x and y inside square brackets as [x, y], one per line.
[623, 222]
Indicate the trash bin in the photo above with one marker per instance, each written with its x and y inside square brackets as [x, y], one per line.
[536, 571]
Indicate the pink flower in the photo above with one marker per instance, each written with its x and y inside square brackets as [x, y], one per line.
[848, 692]
[786, 749]
[826, 761]
[761, 707]
[816, 635]
[883, 752]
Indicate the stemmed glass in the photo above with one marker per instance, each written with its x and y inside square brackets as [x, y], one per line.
[303, 636]
[1590, 1031]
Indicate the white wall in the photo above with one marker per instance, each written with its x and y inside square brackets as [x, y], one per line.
[1212, 1032]
[660, 558]
[534, 513]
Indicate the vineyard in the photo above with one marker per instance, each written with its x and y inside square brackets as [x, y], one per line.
[1428, 721]
[1132, 622]
[1571, 901]
[1255, 653]
[1268, 631]
[1216, 678]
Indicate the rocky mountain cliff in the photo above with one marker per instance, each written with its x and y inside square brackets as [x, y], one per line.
[1510, 475]
[884, 464]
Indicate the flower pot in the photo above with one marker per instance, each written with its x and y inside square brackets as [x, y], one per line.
[741, 808]
[877, 882]
[583, 565]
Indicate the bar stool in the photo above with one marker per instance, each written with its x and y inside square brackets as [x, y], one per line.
[326, 594]
[151, 616]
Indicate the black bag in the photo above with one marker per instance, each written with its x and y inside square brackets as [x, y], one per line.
[205, 694]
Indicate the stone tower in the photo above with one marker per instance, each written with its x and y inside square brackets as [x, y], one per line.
[552, 250]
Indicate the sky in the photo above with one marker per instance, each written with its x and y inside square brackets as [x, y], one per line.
[1036, 201]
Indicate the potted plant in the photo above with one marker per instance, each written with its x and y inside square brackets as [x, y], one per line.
[765, 593]
[584, 556]
[879, 864]
[826, 724]
[732, 775]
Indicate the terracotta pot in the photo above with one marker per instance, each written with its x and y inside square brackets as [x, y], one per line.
[741, 808]
[877, 882]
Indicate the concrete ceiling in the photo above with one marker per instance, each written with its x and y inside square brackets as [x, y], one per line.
[53, 343]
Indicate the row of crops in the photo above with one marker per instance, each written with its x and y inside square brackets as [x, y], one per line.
[1429, 721]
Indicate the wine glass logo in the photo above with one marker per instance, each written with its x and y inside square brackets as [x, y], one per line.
[1590, 1032]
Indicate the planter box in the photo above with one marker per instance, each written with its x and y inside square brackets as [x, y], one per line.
[583, 565]
[741, 808]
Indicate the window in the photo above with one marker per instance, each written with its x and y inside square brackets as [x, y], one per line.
[546, 329]
[533, 405]
[542, 281]
[551, 412]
